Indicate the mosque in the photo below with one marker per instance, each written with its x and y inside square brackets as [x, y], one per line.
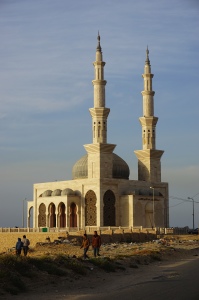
[100, 193]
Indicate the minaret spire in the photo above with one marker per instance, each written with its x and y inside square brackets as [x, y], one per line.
[98, 45]
[149, 168]
[148, 121]
[99, 113]
[100, 153]
[147, 61]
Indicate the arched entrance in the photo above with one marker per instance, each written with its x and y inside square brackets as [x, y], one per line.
[90, 209]
[62, 215]
[73, 215]
[52, 216]
[42, 215]
[109, 208]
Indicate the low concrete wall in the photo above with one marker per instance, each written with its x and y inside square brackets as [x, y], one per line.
[9, 239]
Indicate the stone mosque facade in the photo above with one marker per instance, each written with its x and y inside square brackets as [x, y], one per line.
[100, 193]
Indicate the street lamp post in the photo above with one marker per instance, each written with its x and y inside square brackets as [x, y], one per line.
[151, 187]
[193, 211]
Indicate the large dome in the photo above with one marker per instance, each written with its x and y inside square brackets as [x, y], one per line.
[80, 168]
[120, 168]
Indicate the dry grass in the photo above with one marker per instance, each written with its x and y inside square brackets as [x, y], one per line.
[48, 262]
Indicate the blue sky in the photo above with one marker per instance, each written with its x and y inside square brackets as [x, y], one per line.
[46, 53]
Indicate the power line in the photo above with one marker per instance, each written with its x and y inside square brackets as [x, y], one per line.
[176, 204]
[185, 200]
[195, 195]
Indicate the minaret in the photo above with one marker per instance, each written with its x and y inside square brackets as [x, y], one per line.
[99, 113]
[149, 166]
[99, 152]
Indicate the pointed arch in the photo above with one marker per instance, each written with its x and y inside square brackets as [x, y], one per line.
[73, 215]
[42, 215]
[52, 216]
[90, 209]
[62, 215]
[109, 208]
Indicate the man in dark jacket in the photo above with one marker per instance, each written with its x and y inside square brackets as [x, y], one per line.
[96, 243]
[18, 247]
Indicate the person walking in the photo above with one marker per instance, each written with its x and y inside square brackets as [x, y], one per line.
[26, 243]
[85, 245]
[96, 243]
[18, 247]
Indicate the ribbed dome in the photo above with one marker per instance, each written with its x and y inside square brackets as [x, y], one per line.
[120, 168]
[80, 168]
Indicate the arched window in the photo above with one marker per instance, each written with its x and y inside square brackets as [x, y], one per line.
[42, 215]
[90, 209]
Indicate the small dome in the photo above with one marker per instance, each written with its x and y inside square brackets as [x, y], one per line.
[47, 193]
[67, 192]
[77, 193]
[56, 192]
[120, 168]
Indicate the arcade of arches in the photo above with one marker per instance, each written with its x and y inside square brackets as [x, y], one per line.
[48, 217]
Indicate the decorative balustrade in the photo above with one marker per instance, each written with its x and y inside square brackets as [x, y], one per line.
[91, 229]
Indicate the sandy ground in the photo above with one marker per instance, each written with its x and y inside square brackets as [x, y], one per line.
[134, 260]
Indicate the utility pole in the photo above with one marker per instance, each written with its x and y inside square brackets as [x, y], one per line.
[193, 211]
